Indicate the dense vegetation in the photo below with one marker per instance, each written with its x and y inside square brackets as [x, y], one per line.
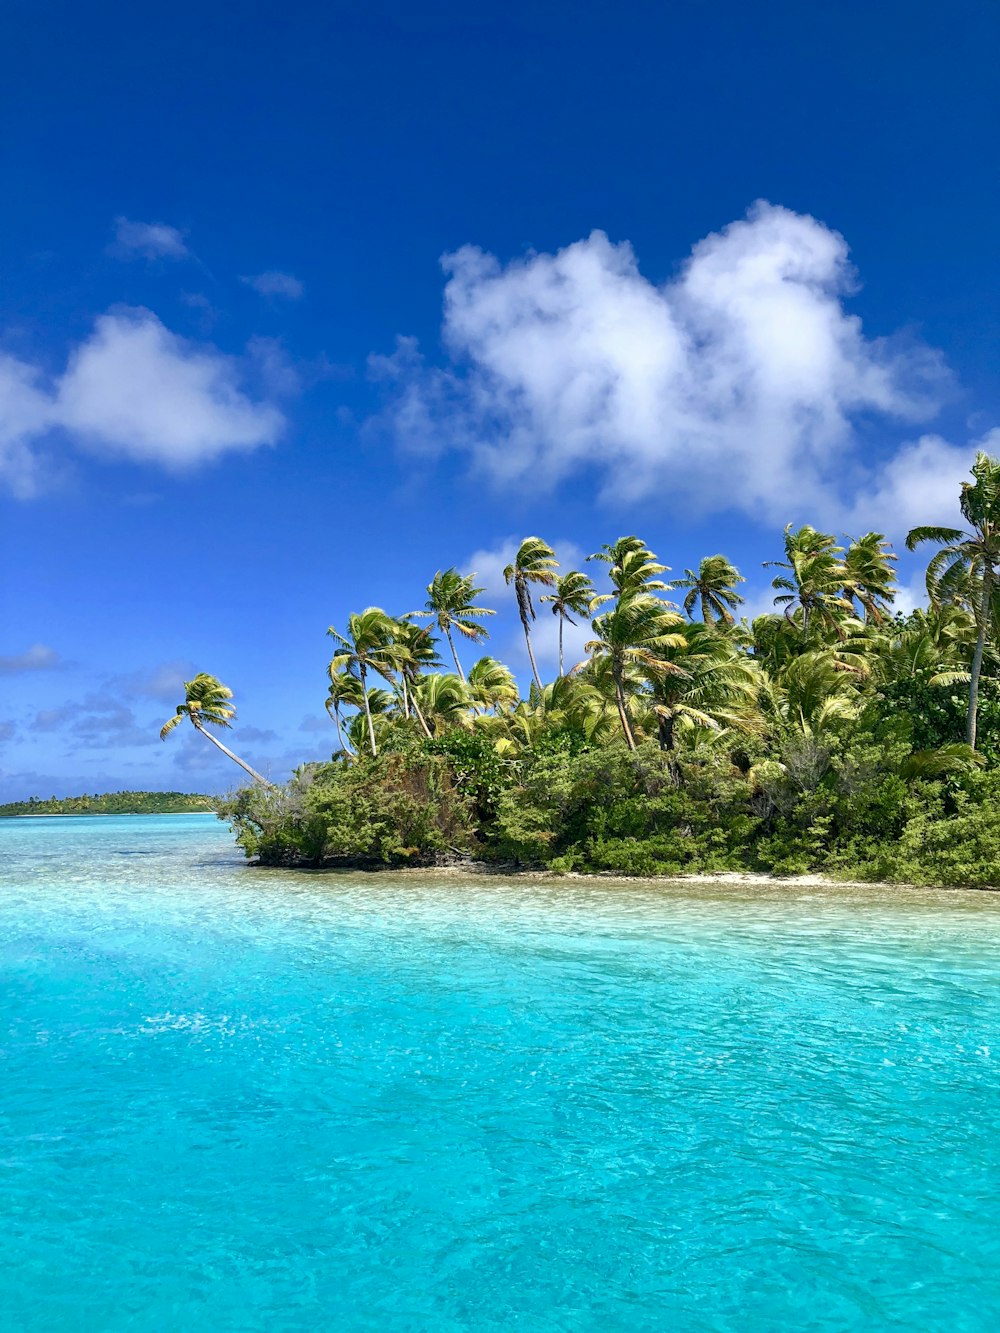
[830, 735]
[113, 803]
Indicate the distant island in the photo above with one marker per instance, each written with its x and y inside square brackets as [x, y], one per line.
[113, 803]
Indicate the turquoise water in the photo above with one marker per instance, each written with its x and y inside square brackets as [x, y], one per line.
[238, 1099]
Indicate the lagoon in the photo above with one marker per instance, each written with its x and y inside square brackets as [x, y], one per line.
[249, 1099]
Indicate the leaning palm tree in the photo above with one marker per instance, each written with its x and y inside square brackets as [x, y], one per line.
[206, 704]
[713, 585]
[869, 576]
[344, 689]
[972, 553]
[573, 595]
[535, 562]
[635, 632]
[368, 645]
[451, 601]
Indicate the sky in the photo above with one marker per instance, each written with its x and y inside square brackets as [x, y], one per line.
[302, 303]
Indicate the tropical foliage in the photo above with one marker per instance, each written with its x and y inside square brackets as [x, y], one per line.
[833, 733]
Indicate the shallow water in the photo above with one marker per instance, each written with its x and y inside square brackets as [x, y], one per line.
[240, 1099]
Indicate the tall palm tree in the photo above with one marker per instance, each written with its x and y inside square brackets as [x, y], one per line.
[368, 645]
[451, 601]
[972, 552]
[635, 632]
[535, 562]
[714, 587]
[573, 594]
[869, 576]
[344, 689]
[815, 579]
[206, 704]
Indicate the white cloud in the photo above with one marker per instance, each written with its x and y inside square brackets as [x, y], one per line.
[24, 413]
[136, 389]
[732, 383]
[151, 240]
[274, 283]
[39, 657]
[920, 484]
[133, 389]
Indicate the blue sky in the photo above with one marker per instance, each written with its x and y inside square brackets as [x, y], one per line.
[708, 270]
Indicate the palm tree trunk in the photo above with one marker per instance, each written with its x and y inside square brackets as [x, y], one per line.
[420, 717]
[234, 757]
[531, 655]
[340, 734]
[972, 717]
[451, 645]
[561, 621]
[368, 712]
[623, 708]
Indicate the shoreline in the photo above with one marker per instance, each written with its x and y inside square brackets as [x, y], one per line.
[719, 879]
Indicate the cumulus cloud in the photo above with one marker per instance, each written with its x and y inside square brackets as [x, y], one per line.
[920, 484]
[39, 657]
[741, 377]
[150, 240]
[275, 283]
[135, 390]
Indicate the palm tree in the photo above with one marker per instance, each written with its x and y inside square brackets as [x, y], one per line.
[344, 689]
[444, 698]
[491, 684]
[815, 580]
[634, 633]
[573, 593]
[812, 693]
[377, 708]
[451, 598]
[869, 576]
[368, 645]
[713, 586]
[973, 553]
[535, 562]
[206, 703]
[415, 651]
[632, 569]
[716, 687]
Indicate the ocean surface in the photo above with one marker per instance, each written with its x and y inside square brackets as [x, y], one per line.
[234, 1099]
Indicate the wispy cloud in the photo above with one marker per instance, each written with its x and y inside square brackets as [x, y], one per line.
[39, 657]
[738, 383]
[148, 240]
[275, 283]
